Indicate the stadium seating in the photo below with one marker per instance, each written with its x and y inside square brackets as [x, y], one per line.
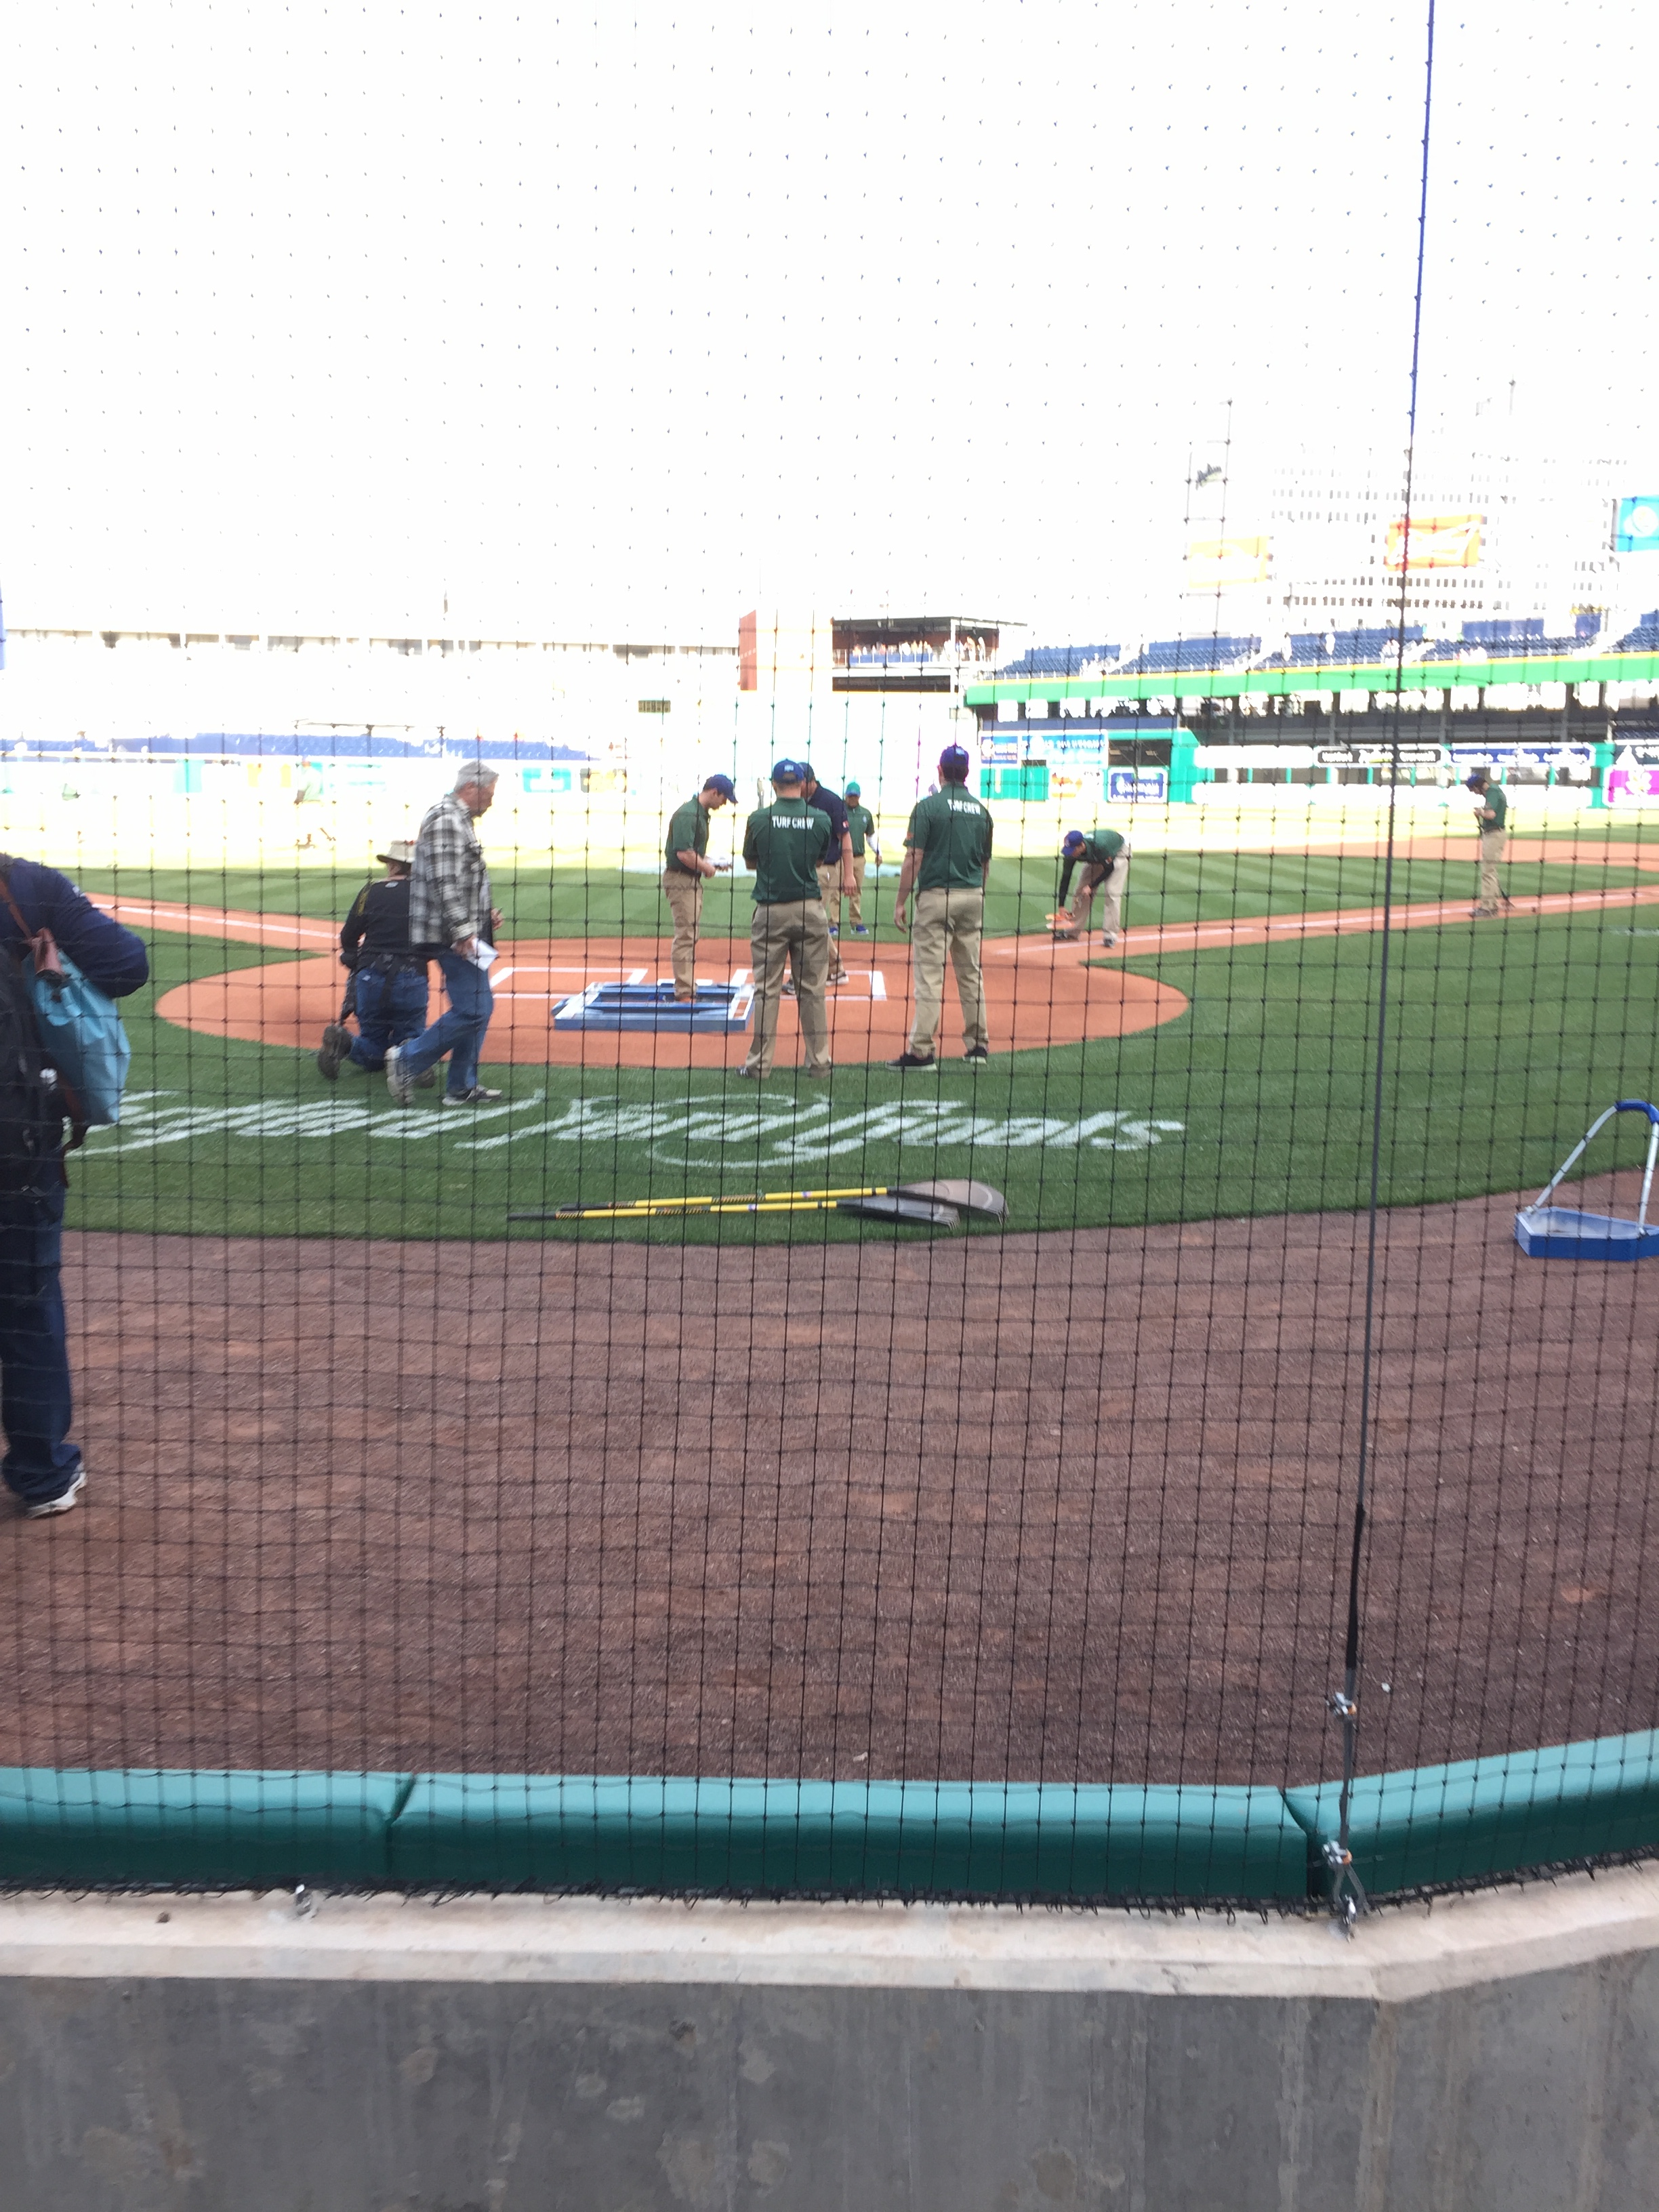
[1509, 649]
[1644, 638]
[1176, 656]
[1058, 660]
[1341, 648]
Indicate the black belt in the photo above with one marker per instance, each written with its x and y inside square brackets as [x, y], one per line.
[392, 964]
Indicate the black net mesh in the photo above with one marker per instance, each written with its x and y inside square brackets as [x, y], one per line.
[722, 1187]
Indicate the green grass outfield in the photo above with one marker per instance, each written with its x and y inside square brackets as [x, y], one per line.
[1505, 1040]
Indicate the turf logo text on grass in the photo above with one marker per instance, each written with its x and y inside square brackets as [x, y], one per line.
[695, 1133]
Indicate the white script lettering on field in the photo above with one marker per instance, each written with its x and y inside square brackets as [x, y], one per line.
[700, 1131]
[696, 1131]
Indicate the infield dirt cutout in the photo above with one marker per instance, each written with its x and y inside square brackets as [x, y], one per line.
[1039, 995]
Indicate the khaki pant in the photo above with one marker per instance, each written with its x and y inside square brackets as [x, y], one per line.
[685, 897]
[830, 886]
[953, 920]
[855, 896]
[1492, 852]
[795, 936]
[1112, 884]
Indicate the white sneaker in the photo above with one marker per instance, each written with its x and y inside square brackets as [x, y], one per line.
[63, 1503]
[476, 1096]
[399, 1085]
[1109, 938]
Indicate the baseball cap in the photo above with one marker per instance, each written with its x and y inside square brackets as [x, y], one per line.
[855, 790]
[787, 771]
[723, 784]
[1475, 778]
[400, 851]
[953, 761]
[1072, 841]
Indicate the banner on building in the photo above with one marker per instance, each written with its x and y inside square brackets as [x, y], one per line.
[1216, 563]
[1636, 525]
[1435, 541]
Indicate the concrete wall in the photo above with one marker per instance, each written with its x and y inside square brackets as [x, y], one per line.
[1499, 2052]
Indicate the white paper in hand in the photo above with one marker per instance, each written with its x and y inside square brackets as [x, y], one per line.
[482, 955]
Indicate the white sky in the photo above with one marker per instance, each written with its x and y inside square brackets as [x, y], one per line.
[616, 329]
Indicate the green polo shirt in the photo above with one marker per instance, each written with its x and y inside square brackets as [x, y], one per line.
[1493, 797]
[862, 824]
[953, 833]
[688, 832]
[783, 843]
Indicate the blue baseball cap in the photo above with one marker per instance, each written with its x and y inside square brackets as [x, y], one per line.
[787, 771]
[953, 761]
[723, 784]
[1072, 841]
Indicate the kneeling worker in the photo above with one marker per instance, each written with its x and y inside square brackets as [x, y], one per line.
[947, 857]
[783, 843]
[686, 867]
[1103, 855]
[387, 990]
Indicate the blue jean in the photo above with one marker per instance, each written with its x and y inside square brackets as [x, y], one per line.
[459, 1030]
[35, 1403]
[390, 1010]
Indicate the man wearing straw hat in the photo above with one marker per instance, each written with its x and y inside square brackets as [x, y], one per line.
[387, 990]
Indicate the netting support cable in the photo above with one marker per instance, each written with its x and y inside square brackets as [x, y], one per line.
[1347, 1895]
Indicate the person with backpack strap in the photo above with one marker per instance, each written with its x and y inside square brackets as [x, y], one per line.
[42, 916]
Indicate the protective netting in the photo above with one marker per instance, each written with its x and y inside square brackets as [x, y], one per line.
[671, 1385]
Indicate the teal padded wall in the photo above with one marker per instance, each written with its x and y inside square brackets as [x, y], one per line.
[1488, 1816]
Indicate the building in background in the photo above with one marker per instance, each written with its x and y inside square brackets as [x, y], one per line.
[1496, 544]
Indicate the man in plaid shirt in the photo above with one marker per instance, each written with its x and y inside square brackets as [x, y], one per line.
[449, 910]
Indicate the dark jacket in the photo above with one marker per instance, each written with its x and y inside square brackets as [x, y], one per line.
[106, 953]
[379, 924]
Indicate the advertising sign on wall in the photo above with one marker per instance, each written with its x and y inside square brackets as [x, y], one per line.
[1216, 564]
[1435, 541]
[1635, 524]
[1149, 785]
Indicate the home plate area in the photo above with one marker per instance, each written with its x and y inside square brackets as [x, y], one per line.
[608, 1002]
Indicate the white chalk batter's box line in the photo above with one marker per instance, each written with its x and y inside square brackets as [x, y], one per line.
[700, 1132]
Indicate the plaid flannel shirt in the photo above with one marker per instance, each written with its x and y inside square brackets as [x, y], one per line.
[449, 884]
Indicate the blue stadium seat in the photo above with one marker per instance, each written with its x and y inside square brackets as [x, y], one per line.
[1058, 660]
[1180, 656]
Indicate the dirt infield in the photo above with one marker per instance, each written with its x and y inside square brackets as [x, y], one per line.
[1046, 1506]
[1036, 994]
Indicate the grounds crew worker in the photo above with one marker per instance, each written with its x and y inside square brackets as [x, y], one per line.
[387, 990]
[835, 863]
[861, 825]
[1492, 809]
[683, 872]
[1103, 855]
[783, 844]
[947, 856]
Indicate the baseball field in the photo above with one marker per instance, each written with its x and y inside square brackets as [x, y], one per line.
[379, 1478]
[1218, 1061]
